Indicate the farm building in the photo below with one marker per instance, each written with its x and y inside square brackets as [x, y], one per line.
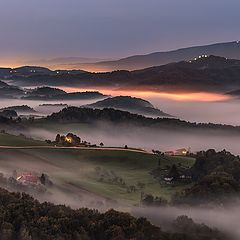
[181, 152]
[28, 178]
[178, 152]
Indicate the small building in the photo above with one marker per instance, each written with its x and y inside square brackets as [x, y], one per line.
[28, 178]
[178, 152]
[181, 152]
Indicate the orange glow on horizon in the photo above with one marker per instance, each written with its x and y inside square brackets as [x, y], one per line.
[194, 96]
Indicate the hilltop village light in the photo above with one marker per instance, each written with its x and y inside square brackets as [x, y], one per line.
[68, 139]
[184, 152]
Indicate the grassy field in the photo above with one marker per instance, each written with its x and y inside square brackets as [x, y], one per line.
[84, 168]
[11, 140]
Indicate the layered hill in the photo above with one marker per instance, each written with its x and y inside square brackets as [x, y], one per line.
[3, 84]
[11, 92]
[131, 104]
[109, 115]
[204, 73]
[49, 94]
[19, 109]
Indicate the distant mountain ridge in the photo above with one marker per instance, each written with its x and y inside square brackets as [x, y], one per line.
[136, 62]
[204, 73]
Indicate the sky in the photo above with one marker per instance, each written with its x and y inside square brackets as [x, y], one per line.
[109, 29]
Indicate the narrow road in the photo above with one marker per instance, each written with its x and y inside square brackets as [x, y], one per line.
[76, 148]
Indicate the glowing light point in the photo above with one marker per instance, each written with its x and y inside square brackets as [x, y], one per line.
[68, 140]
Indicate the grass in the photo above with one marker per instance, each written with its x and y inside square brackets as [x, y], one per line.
[77, 167]
[11, 140]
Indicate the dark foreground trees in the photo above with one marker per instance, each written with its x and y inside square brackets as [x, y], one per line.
[23, 218]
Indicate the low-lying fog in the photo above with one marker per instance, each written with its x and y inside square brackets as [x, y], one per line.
[35, 104]
[226, 220]
[144, 138]
[195, 107]
[207, 108]
[224, 111]
[67, 190]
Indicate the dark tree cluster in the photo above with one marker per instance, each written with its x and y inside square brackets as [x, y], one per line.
[151, 201]
[8, 113]
[69, 140]
[88, 115]
[210, 161]
[216, 176]
[23, 218]
[5, 120]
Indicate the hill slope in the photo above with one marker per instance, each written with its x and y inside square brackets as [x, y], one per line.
[228, 50]
[90, 116]
[47, 94]
[131, 104]
[20, 109]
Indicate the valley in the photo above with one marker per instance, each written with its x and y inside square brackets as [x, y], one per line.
[119, 120]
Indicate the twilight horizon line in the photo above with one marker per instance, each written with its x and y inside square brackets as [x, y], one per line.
[48, 62]
[111, 29]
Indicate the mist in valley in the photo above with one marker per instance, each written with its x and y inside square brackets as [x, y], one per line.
[65, 192]
[142, 137]
[65, 176]
[195, 107]
[211, 109]
[222, 112]
[49, 108]
[224, 219]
